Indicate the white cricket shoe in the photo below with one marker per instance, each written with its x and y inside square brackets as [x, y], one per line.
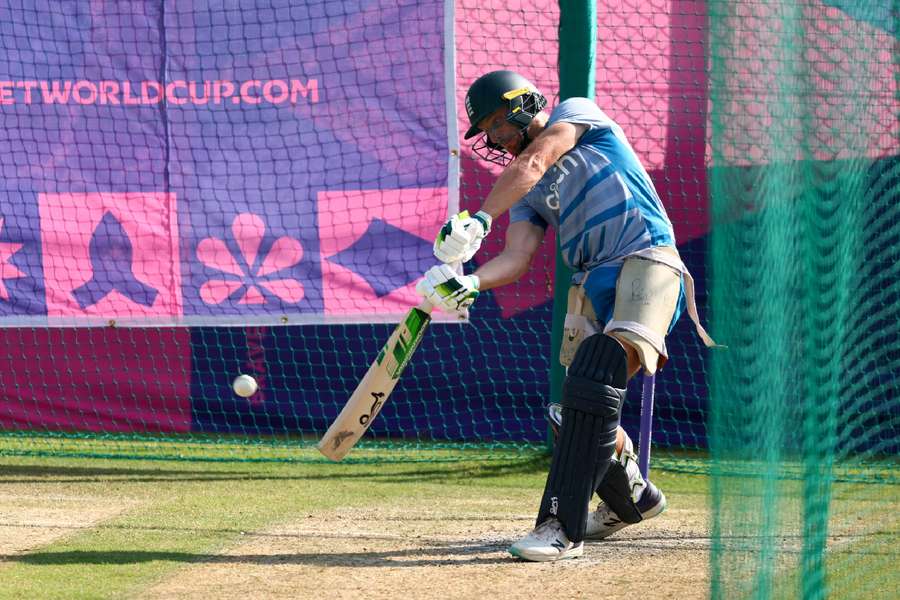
[547, 542]
[603, 522]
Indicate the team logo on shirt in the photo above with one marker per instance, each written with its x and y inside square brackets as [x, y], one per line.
[552, 199]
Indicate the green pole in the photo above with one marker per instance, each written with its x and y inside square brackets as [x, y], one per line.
[577, 49]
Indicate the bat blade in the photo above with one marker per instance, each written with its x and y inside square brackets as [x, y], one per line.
[376, 386]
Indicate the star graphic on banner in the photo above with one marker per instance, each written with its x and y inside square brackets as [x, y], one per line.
[7, 269]
[387, 257]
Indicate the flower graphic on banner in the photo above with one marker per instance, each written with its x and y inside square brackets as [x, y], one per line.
[7, 269]
[248, 231]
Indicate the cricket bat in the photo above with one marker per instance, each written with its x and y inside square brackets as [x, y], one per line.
[377, 384]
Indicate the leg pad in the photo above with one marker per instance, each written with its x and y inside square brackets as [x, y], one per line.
[592, 397]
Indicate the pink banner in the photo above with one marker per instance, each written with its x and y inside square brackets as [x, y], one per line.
[111, 256]
[123, 380]
[375, 245]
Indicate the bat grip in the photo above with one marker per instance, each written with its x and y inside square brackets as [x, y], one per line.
[426, 307]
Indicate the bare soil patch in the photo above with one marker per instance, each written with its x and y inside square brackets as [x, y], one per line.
[31, 521]
[453, 551]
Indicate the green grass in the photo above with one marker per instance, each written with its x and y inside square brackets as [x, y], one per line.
[182, 512]
[185, 512]
[196, 447]
[762, 537]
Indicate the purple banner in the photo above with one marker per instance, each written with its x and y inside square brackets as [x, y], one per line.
[194, 163]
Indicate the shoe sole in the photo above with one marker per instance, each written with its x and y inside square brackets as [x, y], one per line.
[655, 510]
[573, 552]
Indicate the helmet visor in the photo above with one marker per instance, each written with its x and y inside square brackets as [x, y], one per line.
[484, 148]
[472, 132]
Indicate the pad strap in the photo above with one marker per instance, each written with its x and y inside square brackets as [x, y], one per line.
[615, 491]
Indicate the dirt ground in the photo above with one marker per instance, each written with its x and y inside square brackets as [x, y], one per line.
[454, 547]
[29, 522]
[396, 554]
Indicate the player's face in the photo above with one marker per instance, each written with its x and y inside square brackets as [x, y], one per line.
[502, 132]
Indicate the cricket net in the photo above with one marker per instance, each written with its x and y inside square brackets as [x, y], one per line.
[767, 125]
[769, 129]
[805, 205]
[235, 124]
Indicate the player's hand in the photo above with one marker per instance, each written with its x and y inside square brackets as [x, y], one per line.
[460, 237]
[447, 290]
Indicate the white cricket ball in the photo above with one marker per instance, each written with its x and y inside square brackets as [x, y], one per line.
[244, 386]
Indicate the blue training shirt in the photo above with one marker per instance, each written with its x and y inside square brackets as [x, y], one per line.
[597, 196]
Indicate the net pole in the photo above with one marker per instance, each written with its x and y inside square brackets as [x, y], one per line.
[577, 53]
[647, 391]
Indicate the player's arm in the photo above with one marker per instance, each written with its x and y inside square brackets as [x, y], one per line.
[523, 173]
[443, 287]
[460, 237]
[522, 241]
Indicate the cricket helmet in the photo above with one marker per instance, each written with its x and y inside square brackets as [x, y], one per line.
[499, 89]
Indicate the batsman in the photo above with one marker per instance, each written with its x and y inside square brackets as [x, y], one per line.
[573, 169]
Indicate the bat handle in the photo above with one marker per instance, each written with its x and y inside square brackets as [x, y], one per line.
[426, 307]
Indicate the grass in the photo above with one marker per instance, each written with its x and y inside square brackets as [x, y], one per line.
[182, 512]
[176, 513]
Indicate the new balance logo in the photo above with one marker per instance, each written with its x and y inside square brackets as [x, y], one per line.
[558, 544]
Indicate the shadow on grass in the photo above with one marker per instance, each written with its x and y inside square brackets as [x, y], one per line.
[388, 473]
[413, 557]
[43, 471]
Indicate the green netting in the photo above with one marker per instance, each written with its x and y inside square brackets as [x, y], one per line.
[164, 392]
[799, 149]
[805, 199]
[786, 111]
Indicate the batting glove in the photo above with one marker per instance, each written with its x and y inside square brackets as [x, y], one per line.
[460, 237]
[447, 290]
